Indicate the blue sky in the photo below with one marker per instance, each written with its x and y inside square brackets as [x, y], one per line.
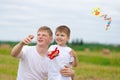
[20, 18]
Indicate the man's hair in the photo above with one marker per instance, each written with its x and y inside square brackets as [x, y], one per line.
[46, 28]
[63, 28]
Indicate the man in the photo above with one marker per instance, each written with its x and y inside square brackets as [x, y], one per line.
[33, 60]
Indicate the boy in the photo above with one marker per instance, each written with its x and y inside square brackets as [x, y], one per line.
[60, 54]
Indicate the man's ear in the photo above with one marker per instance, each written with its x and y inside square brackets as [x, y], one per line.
[51, 39]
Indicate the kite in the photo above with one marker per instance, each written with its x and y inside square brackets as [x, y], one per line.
[97, 12]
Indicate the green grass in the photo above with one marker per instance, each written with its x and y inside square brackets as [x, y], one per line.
[112, 59]
[93, 65]
[8, 65]
[95, 47]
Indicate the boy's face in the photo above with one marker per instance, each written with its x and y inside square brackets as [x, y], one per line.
[61, 38]
[43, 38]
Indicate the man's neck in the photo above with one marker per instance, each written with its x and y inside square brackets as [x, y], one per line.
[42, 50]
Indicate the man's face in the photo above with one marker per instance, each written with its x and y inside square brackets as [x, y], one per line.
[43, 38]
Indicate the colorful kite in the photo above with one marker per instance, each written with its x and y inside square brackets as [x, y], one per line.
[97, 12]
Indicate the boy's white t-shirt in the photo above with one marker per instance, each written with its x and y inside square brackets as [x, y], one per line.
[59, 62]
[32, 66]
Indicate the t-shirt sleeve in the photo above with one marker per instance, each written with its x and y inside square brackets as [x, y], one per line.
[24, 51]
[71, 57]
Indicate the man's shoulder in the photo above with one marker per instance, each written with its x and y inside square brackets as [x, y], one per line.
[27, 46]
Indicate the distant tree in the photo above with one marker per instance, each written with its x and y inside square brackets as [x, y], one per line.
[73, 42]
[77, 42]
[81, 42]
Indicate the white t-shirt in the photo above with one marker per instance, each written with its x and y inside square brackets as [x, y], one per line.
[32, 66]
[59, 62]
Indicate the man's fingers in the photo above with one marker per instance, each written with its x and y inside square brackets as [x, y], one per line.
[31, 36]
[28, 39]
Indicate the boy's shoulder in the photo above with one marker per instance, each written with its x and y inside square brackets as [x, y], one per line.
[54, 45]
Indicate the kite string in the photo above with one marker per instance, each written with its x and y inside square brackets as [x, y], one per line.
[107, 18]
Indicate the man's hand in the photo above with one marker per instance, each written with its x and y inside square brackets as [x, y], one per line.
[66, 71]
[28, 39]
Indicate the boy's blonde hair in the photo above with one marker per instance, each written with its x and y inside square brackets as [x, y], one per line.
[46, 28]
[63, 28]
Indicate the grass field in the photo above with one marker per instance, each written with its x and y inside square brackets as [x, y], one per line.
[93, 65]
[98, 66]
